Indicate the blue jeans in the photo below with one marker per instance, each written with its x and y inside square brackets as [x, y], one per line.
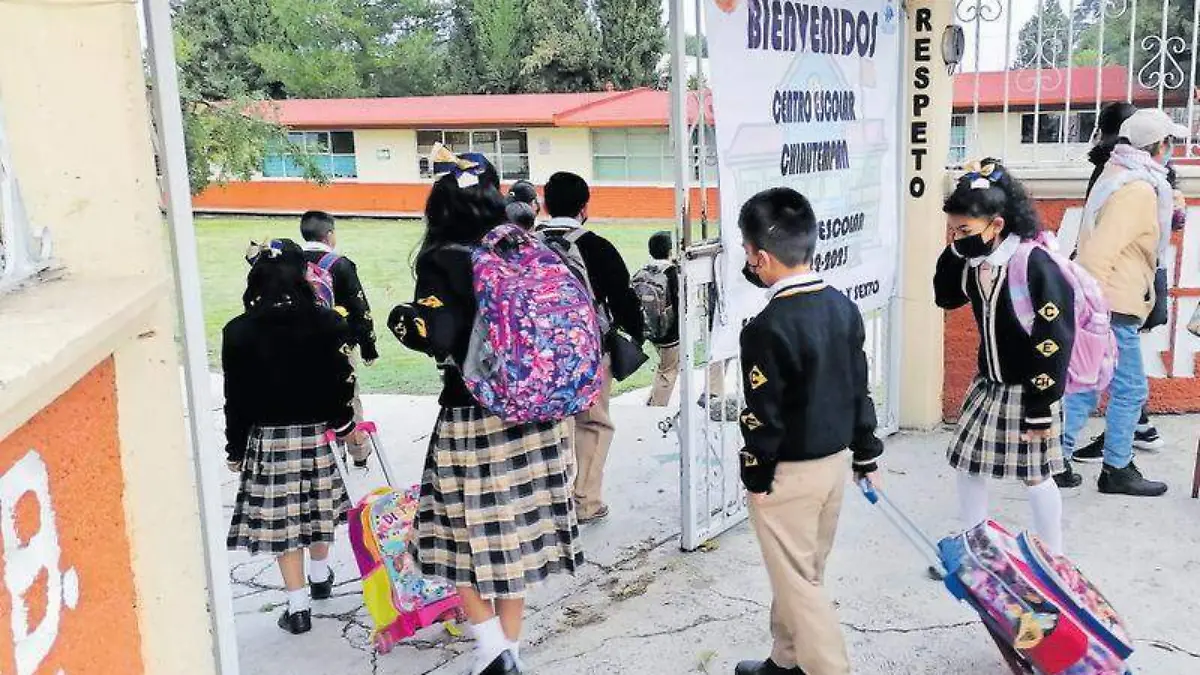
[1127, 394]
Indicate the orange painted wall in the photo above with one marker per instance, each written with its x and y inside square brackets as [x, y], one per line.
[77, 439]
[380, 198]
[1170, 395]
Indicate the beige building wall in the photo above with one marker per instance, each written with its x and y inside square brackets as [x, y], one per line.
[74, 96]
[992, 142]
[387, 155]
[554, 149]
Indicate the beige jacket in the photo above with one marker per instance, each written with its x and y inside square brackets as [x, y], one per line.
[1122, 250]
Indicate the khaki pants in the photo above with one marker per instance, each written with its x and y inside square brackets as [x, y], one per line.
[593, 438]
[668, 373]
[796, 525]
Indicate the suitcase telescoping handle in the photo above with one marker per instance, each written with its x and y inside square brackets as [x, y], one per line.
[372, 431]
[911, 531]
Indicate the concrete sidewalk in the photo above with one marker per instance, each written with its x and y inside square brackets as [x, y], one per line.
[640, 606]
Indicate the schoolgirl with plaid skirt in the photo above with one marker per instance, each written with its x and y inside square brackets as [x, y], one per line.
[288, 381]
[1009, 428]
[496, 515]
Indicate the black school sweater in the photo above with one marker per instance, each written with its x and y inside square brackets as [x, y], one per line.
[285, 366]
[1038, 360]
[348, 294]
[804, 373]
[439, 320]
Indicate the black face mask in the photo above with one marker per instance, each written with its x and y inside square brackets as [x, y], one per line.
[752, 276]
[972, 247]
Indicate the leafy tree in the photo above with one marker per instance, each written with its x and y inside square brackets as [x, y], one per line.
[566, 49]
[1042, 41]
[633, 39]
[219, 83]
[1147, 29]
[696, 45]
[349, 48]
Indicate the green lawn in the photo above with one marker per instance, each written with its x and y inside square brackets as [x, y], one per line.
[382, 249]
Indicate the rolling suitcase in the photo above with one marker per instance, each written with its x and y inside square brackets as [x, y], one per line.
[1043, 614]
[399, 599]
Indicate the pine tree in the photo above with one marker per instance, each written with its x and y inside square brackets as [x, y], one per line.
[1042, 41]
[565, 53]
[633, 40]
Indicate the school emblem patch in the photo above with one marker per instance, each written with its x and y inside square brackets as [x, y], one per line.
[751, 421]
[432, 302]
[757, 379]
[1049, 311]
[1043, 382]
[1047, 348]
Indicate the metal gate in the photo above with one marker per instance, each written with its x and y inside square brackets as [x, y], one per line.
[711, 396]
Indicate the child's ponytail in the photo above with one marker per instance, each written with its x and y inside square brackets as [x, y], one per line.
[989, 190]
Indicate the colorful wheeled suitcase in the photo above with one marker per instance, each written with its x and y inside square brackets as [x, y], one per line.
[399, 599]
[1043, 614]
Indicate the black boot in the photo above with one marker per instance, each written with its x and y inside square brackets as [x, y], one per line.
[1129, 481]
[322, 590]
[296, 624]
[1068, 478]
[505, 664]
[767, 667]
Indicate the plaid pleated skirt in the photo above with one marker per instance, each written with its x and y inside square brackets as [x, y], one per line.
[496, 511]
[988, 441]
[291, 495]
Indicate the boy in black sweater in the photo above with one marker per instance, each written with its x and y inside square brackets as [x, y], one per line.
[567, 197]
[808, 408]
[320, 243]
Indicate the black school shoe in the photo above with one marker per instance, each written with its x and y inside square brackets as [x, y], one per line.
[505, 664]
[1068, 478]
[1129, 481]
[1145, 438]
[296, 624]
[767, 667]
[322, 590]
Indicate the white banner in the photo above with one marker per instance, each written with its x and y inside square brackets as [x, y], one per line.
[808, 95]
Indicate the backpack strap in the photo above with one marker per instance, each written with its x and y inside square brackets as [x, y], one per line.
[1018, 284]
[573, 235]
[328, 260]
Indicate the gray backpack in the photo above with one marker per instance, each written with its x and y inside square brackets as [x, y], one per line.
[658, 307]
[566, 245]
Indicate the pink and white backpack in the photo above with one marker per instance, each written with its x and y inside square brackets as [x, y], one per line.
[535, 352]
[320, 277]
[1094, 356]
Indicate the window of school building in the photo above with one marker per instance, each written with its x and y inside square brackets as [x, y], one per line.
[958, 140]
[508, 149]
[644, 156]
[331, 151]
[1079, 127]
[632, 156]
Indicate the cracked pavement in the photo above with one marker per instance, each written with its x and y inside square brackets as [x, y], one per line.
[640, 606]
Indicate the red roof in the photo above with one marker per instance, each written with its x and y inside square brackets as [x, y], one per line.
[651, 107]
[1024, 91]
[639, 107]
[429, 111]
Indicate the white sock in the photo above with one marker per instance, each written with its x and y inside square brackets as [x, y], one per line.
[298, 601]
[1046, 502]
[972, 499]
[318, 570]
[490, 642]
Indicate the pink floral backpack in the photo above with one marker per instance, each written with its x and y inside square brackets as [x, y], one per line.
[535, 351]
[1094, 356]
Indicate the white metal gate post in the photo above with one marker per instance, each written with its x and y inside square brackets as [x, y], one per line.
[169, 123]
